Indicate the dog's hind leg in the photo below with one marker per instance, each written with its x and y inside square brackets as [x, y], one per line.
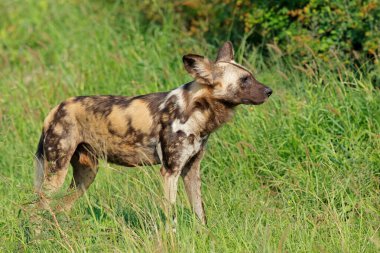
[54, 173]
[85, 168]
[52, 162]
[192, 180]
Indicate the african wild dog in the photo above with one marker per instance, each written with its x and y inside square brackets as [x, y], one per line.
[168, 128]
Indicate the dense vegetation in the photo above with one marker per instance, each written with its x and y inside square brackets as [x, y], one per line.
[303, 29]
[300, 173]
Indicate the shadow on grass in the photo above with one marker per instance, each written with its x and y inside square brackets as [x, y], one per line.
[96, 212]
[136, 220]
[151, 217]
[131, 218]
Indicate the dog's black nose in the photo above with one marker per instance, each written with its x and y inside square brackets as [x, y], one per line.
[268, 92]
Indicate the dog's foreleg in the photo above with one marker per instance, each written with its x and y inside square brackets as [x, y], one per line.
[192, 180]
[170, 189]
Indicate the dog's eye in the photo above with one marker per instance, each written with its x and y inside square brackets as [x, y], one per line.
[245, 81]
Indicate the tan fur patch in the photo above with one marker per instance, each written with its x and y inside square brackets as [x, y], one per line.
[117, 120]
[140, 115]
[49, 118]
[198, 91]
[85, 160]
[75, 109]
[58, 129]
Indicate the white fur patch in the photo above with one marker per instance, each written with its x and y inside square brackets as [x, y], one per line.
[189, 151]
[192, 126]
[159, 151]
[177, 93]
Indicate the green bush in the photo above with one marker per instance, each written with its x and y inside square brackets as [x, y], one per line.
[303, 29]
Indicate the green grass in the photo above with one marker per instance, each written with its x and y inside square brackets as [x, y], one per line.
[300, 173]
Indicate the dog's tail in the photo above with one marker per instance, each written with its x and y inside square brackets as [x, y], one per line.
[39, 164]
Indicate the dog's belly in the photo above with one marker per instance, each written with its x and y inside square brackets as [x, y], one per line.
[132, 155]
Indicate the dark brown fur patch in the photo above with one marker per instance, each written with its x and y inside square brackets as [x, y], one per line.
[102, 104]
[153, 100]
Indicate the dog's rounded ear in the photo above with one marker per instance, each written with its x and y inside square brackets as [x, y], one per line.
[226, 52]
[199, 67]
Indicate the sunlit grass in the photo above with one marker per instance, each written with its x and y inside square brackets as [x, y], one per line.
[297, 174]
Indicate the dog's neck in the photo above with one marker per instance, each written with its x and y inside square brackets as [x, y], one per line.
[198, 97]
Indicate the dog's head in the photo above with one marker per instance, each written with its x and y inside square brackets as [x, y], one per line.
[228, 81]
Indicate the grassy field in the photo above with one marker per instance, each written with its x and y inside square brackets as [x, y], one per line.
[300, 173]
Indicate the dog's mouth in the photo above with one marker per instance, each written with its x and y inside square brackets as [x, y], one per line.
[247, 101]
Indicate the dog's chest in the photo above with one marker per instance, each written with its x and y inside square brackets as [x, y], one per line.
[178, 148]
[181, 140]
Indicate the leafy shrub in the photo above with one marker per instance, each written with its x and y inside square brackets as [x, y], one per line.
[303, 29]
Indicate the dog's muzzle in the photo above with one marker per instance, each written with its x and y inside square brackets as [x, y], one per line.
[268, 92]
